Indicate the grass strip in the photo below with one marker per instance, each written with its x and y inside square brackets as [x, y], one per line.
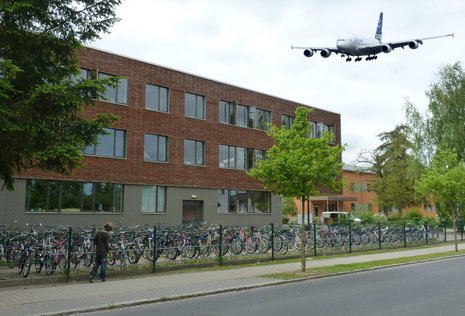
[343, 268]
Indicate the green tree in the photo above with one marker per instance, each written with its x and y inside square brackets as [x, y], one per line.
[444, 183]
[300, 166]
[400, 170]
[41, 97]
[396, 169]
[442, 124]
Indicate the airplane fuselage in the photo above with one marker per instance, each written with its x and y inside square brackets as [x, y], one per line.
[355, 45]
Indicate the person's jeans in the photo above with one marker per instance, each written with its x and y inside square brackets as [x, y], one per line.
[100, 261]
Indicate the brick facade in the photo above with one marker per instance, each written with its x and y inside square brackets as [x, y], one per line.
[136, 121]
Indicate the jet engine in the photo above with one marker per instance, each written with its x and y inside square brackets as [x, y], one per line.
[386, 48]
[325, 53]
[413, 44]
[308, 52]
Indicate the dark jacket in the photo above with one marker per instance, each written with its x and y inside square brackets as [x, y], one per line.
[102, 243]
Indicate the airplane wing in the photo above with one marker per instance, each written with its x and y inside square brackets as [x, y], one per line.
[324, 51]
[413, 43]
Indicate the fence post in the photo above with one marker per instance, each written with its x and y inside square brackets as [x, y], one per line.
[379, 235]
[68, 263]
[220, 245]
[445, 231]
[350, 237]
[405, 235]
[314, 239]
[426, 232]
[272, 242]
[154, 253]
[461, 229]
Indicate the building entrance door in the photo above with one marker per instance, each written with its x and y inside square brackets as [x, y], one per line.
[192, 212]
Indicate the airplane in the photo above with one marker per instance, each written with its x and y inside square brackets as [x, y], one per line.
[350, 45]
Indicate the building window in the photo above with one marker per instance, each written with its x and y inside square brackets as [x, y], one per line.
[85, 74]
[259, 155]
[155, 148]
[332, 131]
[111, 144]
[263, 119]
[115, 94]
[318, 129]
[287, 121]
[227, 112]
[156, 98]
[360, 186]
[153, 199]
[65, 196]
[194, 106]
[243, 201]
[233, 157]
[194, 152]
[245, 116]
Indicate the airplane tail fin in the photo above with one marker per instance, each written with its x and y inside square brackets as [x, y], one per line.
[379, 29]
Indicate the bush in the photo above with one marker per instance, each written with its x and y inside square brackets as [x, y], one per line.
[366, 216]
[413, 216]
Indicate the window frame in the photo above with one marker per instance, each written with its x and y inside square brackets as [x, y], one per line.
[87, 196]
[157, 106]
[229, 201]
[197, 151]
[287, 121]
[157, 152]
[95, 150]
[263, 118]
[155, 205]
[227, 112]
[121, 91]
[198, 111]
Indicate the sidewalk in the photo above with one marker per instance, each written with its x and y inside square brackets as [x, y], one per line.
[64, 299]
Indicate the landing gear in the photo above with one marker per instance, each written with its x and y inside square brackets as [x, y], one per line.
[349, 59]
[371, 57]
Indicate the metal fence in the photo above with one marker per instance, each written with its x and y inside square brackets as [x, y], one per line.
[60, 254]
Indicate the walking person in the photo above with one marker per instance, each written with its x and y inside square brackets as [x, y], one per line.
[102, 246]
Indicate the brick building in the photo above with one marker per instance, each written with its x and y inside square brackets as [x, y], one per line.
[178, 153]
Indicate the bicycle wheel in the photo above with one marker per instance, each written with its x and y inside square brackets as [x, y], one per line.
[264, 245]
[133, 256]
[170, 250]
[120, 257]
[38, 263]
[87, 258]
[191, 251]
[50, 265]
[235, 247]
[26, 267]
[250, 245]
[61, 261]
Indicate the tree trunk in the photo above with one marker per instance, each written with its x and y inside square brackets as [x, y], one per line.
[454, 224]
[302, 237]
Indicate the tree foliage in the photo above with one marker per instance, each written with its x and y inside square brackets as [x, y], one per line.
[443, 123]
[40, 96]
[297, 165]
[396, 169]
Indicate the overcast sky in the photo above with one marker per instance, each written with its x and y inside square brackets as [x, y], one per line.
[247, 43]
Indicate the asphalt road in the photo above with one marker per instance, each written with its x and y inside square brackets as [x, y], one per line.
[432, 288]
